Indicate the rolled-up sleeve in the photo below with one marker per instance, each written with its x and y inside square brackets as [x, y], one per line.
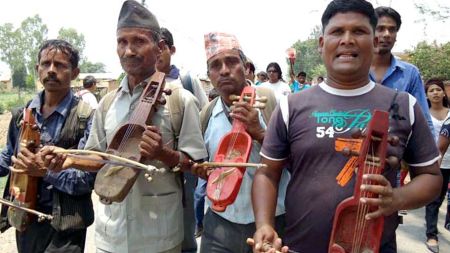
[8, 151]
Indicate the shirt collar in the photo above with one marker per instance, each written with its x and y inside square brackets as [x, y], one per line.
[123, 87]
[63, 108]
[174, 72]
[347, 93]
[396, 63]
[218, 108]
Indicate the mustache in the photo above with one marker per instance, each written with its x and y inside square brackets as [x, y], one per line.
[224, 79]
[51, 78]
[132, 60]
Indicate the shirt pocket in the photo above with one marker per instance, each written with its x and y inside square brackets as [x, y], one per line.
[160, 217]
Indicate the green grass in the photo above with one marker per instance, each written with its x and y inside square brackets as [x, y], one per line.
[9, 100]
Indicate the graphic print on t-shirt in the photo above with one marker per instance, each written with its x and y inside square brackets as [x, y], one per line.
[334, 122]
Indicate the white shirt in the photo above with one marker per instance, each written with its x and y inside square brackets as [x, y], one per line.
[150, 219]
[88, 97]
[279, 88]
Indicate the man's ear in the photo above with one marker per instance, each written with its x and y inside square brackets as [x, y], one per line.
[75, 73]
[375, 41]
[161, 46]
[173, 50]
[320, 44]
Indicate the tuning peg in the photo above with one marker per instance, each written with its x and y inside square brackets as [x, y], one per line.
[259, 106]
[393, 162]
[348, 152]
[148, 177]
[234, 97]
[168, 92]
[261, 99]
[356, 133]
[245, 98]
[162, 100]
[393, 140]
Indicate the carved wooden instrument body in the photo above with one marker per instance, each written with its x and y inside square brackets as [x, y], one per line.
[23, 188]
[352, 233]
[224, 183]
[113, 182]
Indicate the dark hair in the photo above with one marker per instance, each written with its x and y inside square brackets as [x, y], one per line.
[89, 81]
[320, 77]
[63, 46]
[384, 11]
[277, 68]
[166, 36]
[262, 73]
[440, 83]
[301, 74]
[250, 66]
[343, 6]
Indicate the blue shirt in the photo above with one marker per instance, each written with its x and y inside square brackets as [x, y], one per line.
[241, 210]
[403, 76]
[71, 181]
[295, 86]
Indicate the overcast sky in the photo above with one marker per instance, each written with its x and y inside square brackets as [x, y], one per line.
[264, 28]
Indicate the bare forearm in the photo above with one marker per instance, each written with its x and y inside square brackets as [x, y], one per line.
[264, 200]
[264, 194]
[171, 157]
[86, 164]
[423, 189]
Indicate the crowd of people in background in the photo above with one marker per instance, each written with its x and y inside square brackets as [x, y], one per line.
[286, 205]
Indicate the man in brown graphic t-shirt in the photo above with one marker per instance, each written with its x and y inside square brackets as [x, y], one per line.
[303, 130]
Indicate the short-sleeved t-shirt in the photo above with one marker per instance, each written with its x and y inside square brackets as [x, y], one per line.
[445, 132]
[304, 128]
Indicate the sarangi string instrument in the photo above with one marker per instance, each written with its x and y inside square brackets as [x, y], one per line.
[23, 188]
[113, 182]
[352, 232]
[224, 182]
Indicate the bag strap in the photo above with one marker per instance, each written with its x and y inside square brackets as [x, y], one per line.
[106, 102]
[206, 113]
[186, 80]
[176, 109]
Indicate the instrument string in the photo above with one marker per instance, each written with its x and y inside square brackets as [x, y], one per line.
[133, 118]
[147, 100]
[362, 210]
[232, 143]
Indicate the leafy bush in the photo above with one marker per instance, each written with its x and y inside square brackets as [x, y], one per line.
[2, 108]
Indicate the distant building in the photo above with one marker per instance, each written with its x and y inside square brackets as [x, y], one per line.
[5, 81]
[105, 82]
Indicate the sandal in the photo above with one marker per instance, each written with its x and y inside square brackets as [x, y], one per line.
[432, 245]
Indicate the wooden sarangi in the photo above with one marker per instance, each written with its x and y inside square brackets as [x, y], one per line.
[23, 188]
[224, 183]
[352, 233]
[113, 182]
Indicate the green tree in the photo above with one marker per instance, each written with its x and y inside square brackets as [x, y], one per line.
[11, 47]
[19, 47]
[91, 67]
[19, 76]
[308, 57]
[73, 37]
[34, 33]
[433, 60]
